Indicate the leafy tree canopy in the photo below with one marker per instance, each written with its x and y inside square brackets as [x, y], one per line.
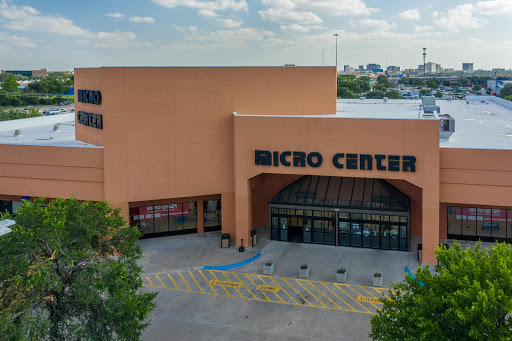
[403, 81]
[477, 88]
[433, 83]
[47, 86]
[375, 95]
[379, 87]
[353, 86]
[10, 84]
[347, 78]
[470, 298]
[364, 79]
[59, 279]
[344, 92]
[393, 94]
[382, 79]
[506, 91]
[439, 94]
[446, 83]
[424, 91]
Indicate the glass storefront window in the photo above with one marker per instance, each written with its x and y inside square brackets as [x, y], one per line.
[469, 219]
[161, 214]
[476, 223]
[146, 221]
[212, 215]
[190, 215]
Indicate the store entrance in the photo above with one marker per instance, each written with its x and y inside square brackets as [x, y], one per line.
[344, 222]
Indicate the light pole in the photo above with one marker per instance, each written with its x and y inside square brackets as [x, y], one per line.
[336, 35]
[424, 56]
[323, 58]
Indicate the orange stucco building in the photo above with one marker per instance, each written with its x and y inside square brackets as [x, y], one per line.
[199, 149]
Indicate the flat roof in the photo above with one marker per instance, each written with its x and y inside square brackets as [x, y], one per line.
[482, 122]
[38, 131]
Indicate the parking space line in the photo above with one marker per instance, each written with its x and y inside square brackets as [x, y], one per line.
[320, 291]
[173, 281]
[162, 282]
[341, 299]
[195, 280]
[185, 281]
[275, 293]
[238, 291]
[309, 292]
[286, 292]
[226, 290]
[355, 299]
[207, 282]
[298, 292]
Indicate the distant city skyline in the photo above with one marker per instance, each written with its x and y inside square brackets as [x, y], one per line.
[61, 35]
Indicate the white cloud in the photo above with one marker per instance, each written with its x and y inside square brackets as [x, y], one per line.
[493, 7]
[422, 28]
[231, 23]
[115, 15]
[16, 41]
[115, 39]
[240, 35]
[284, 15]
[26, 18]
[379, 24]
[459, 17]
[307, 11]
[410, 14]
[206, 8]
[294, 28]
[147, 20]
[208, 13]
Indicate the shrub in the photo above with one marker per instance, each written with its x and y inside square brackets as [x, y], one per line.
[304, 266]
[377, 274]
[341, 271]
[268, 263]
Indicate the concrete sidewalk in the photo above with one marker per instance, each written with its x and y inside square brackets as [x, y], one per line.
[176, 253]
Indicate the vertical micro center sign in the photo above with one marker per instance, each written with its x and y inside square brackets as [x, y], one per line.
[87, 118]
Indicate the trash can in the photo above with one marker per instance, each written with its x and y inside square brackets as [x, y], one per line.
[420, 251]
[253, 238]
[224, 240]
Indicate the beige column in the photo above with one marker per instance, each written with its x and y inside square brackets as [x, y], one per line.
[243, 212]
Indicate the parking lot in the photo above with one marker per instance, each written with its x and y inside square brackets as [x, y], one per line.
[241, 303]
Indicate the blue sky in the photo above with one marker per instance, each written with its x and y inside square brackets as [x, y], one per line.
[61, 35]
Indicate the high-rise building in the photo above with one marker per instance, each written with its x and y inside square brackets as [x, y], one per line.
[467, 67]
[431, 67]
[370, 67]
[361, 67]
[393, 68]
[345, 68]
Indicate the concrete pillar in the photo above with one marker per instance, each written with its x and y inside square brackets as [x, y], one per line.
[200, 216]
[228, 214]
[243, 212]
[430, 224]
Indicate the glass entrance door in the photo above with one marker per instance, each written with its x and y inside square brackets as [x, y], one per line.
[283, 229]
[384, 235]
[343, 233]
[393, 237]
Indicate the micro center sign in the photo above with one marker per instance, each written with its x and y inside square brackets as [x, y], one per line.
[86, 118]
[381, 162]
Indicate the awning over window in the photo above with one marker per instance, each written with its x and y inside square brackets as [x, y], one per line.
[331, 191]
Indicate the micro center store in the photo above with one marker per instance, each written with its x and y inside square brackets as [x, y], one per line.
[199, 149]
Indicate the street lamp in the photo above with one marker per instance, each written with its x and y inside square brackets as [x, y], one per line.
[424, 56]
[336, 35]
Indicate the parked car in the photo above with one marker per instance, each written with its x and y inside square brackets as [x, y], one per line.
[54, 111]
[65, 103]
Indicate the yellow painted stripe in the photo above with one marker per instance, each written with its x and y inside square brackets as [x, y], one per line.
[265, 285]
[255, 285]
[226, 290]
[298, 293]
[236, 288]
[309, 292]
[195, 280]
[371, 302]
[214, 291]
[173, 281]
[246, 287]
[163, 284]
[355, 299]
[149, 281]
[320, 291]
[286, 292]
[186, 283]
[367, 299]
[341, 299]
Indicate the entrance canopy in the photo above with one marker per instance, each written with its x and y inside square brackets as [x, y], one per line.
[343, 192]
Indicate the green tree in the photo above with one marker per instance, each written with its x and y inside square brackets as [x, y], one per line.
[433, 83]
[439, 94]
[353, 86]
[382, 79]
[379, 87]
[509, 98]
[10, 84]
[470, 298]
[393, 94]
[375, 95]
[446, 83]
[346, 93]
[424, 91]
[59, 279]
[403, 81]
[417, 81]
[364, 79]
[477, 88]
[347, 78]
[506, 91]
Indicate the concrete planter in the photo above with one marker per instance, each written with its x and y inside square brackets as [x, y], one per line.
[304, 273]
[268, 269]
[341, 277]
[378, 280]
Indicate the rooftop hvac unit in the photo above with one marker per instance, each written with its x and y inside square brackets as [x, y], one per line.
[431, 109]
[447, 126]
[428, 100]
